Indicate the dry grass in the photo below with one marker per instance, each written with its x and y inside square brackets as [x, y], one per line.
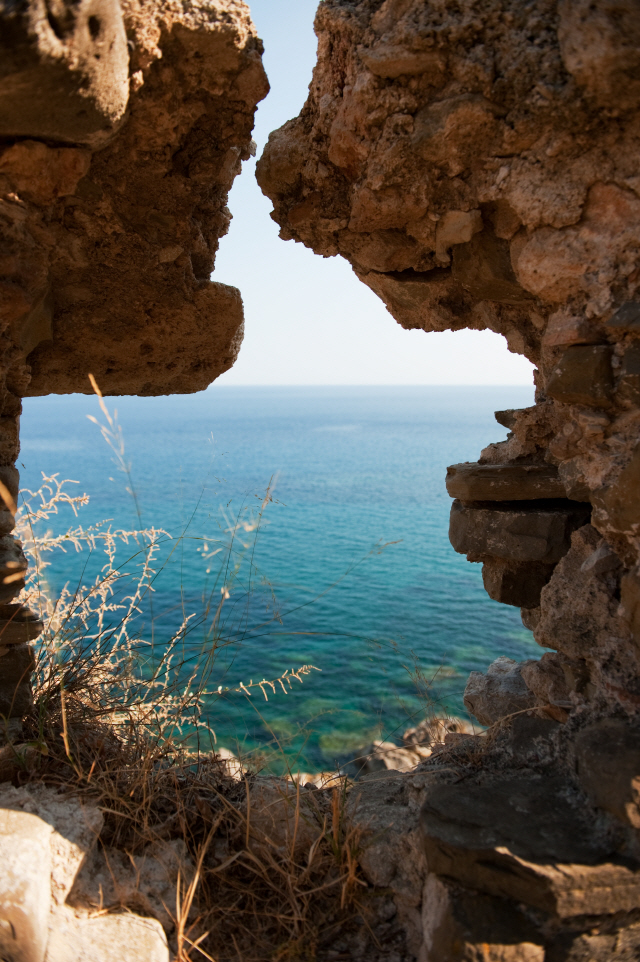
[275, 867]
[272, 869]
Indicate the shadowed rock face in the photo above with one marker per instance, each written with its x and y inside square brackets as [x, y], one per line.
[107, 254]
[477, 164]
[122, 128]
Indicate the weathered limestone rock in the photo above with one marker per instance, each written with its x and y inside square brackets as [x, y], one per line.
[146, 883]
[520, 837]
[123, 126]
[583, 376]
[16, 664]
[502, 691]
[515, 583]
[25, 889]
[479, 168]
[121, 937]
[385, 807]
[527, 531]
[608, 767]
[384, 756]
[503, 482]
[45, 839]
[64, 71]
[459, 925]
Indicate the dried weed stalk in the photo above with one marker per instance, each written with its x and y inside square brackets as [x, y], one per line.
[272, 870]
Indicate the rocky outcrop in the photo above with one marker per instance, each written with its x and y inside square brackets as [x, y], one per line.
[122, 128]
[45, 840]
[478, 167]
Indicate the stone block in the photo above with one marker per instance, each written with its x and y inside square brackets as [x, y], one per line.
[16, 665]
[518, 583]
[13, 567]
[629, 379]
[459, 926]
[483, 268]
[515, 531]
[384, 756]
[608, 767]
[626, 318]
[502, 691]
[25, 886]
[630, 603]
[584, 376]
[148, 881]
[530, 618]
[506, 418]
[547, 680]
[503, 482]
[521, 837]
[529, 733]
[18, 625]
[617, 504]
[121, 937]
[64, 71]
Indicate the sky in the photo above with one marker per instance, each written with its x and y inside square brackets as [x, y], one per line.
[308, 319]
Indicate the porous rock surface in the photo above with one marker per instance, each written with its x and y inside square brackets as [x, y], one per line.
[477, 164]
[122, 128]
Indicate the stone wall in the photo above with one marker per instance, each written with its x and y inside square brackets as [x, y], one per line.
[477, 164]
[122, 128]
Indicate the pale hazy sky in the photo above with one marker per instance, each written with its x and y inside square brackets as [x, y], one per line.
[308, 319]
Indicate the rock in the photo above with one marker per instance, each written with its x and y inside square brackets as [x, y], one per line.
[459, 925]
[506, 418]
[64, 74]
[13, 567]
[16, 665]
[515, 531]
[600, 48]
[18, 625]
[146, 319]
[483, 268]
[519, 837]
[146, 883]
[627, 317]
[121, 937]
[608, 767]
[530, 617]
[629, 379]
[530, 735]
[617, 504]
[387, 756]
[73, 827]
[501, 692]
[384, 810]
[548, 682]
[25, 886]
[231, 763]
[579, 609]
[433, 730]
[630, 603]
[515, 583]
[583, 376]
[503, 482]
[281, 816]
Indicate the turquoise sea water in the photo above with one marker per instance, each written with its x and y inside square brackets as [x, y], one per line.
[354, 467]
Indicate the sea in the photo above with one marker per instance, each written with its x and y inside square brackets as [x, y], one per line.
[347, 567]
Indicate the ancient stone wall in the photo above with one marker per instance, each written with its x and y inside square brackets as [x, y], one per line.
[477, 164]
[122, 128]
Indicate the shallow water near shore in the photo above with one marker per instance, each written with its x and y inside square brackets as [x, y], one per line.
[354, 468]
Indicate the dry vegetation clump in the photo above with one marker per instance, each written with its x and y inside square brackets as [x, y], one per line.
[270, 871]
[265, 870]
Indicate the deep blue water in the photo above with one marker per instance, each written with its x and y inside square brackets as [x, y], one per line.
[354, 467]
